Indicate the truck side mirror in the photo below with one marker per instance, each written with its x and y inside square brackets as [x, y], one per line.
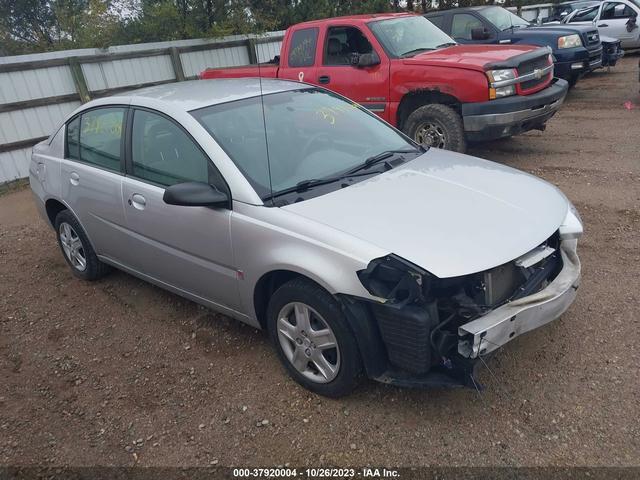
[480, 33]
[365, 59]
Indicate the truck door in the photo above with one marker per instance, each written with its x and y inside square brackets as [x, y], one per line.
[342, 49]
[300, 56]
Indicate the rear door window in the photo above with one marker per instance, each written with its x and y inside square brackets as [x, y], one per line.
[100, 137]
[437, 20]
[302, 49]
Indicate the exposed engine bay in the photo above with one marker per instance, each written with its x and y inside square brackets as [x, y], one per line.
[419, 315]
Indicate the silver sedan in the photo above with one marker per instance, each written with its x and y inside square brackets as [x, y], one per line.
[296, 211]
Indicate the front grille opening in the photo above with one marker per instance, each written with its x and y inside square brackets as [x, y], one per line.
[530, 66]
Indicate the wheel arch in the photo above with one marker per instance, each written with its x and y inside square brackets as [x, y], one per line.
[417, 98]
[270, 281]
[53, 207]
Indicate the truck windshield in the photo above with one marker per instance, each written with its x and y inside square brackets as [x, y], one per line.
[408, 36]
[312, 136]
[502, 18]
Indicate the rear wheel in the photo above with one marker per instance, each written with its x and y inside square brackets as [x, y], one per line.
[312, 338]
[77, 249]
[438, 126]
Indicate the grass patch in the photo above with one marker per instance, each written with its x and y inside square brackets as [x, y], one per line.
[13, 186]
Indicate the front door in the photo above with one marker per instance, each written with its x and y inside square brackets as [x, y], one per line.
[187, 248]
[617, 20]
[369, 86]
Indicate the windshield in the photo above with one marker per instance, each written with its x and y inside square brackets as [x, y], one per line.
[311, 134]
[502, 18]
[407, 36]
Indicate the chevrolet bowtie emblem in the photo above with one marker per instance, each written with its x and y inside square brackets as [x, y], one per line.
[537, 73]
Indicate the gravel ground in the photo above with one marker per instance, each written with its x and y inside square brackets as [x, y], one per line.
[119, 372]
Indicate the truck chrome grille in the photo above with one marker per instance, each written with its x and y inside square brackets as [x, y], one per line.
[531, 66]
[591, 37]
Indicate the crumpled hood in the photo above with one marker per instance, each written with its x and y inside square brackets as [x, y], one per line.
[448, 213]
[473, 57]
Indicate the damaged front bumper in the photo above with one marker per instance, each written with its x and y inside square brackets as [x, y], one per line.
[498, 327]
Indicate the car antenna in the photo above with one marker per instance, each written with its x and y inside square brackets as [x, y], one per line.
[264, 119]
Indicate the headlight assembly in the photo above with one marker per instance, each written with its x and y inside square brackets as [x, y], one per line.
[395, 280]
[569, 41]
[496, 77]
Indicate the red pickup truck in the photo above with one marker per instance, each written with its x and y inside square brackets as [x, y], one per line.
[417, 78]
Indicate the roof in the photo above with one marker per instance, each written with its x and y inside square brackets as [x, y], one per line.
[364, 18]
[460, 9]
[196, 94]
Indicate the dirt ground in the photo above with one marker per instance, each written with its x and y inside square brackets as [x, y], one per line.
[119, 372]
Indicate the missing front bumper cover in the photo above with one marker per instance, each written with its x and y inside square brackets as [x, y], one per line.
[505, 323]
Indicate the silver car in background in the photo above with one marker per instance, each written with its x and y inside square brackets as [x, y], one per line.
[294, 210]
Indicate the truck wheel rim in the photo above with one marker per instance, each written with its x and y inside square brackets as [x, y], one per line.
[431, 134]
[308, 342]
[72, 247]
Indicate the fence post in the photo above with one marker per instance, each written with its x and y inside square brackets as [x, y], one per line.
[177, 63]
[251, 47]
[79, 80]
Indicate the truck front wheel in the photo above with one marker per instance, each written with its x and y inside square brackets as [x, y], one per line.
[438, 126]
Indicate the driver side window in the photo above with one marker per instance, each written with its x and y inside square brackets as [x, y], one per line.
[613, 10]
[162, 153]
[462, 26]
[342, 43]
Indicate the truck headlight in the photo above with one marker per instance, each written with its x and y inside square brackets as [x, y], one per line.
[569, 41]
[497, 76]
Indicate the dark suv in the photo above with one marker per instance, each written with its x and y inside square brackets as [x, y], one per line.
[576, 49]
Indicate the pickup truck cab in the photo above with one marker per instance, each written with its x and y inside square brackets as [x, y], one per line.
[577, 49]
[617, 19]
[415, 76]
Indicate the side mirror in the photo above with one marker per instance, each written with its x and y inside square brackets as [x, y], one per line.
[365, 59]
[195, 194]
[480, 33]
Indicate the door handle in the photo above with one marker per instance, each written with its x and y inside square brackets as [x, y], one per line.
[138, 201]
[74, 178]
[324, 79]
[603, 25]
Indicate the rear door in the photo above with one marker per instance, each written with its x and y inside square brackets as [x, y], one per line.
[616, 20]
[186, 248]
[300, 53]
[91, 173]
[341, 46]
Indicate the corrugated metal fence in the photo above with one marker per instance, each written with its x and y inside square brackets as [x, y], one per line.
[38, 91]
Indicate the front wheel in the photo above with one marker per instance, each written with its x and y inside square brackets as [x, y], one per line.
[312, 338]
[438, 126]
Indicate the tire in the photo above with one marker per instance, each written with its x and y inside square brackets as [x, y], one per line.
[436, 125]
[75, 245]
[302, 346]
[573, 79]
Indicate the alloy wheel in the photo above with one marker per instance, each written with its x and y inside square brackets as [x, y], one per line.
[308, 342]
[72, 247]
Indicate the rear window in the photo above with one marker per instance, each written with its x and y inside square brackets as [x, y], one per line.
[437, 20]
[303, 47]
